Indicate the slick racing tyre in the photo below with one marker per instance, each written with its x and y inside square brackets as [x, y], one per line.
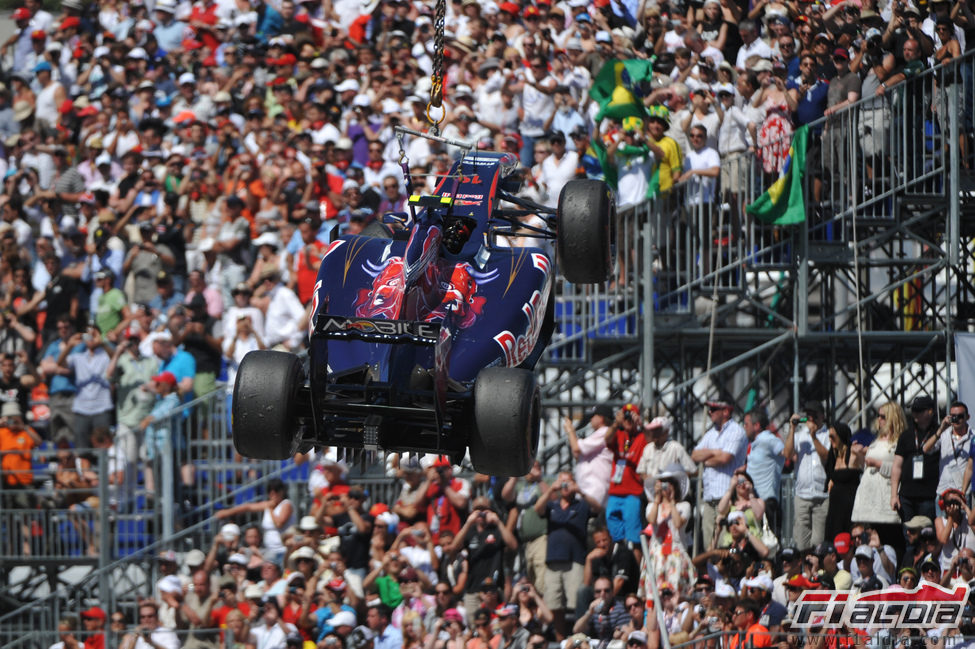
[506, 421]
[265, 425]
[585, 226]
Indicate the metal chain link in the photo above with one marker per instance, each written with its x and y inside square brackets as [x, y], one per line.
[436, 76]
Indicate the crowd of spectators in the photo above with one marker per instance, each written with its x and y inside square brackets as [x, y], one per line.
[173, 171]
[534, 561]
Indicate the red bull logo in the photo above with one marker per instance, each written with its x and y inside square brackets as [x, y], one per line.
[385, 297]
[927, 606]
[517, 348]
[460, 296]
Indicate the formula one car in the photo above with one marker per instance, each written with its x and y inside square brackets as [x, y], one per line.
[424, 338]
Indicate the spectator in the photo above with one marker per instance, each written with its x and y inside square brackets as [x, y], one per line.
[604, 616]
[529, 527]
[270, 630]
[914, 474]
[746, 620]
[805, 446]
[558, 168]
[843, 471]
[873, 498]
[594, 460]
[446, 498]
[626, 440]
[511, 634]
[661, 452]
[386, 635]
[702, 165]
[867, 580]
[93, 619]
[61, 386]
[484, 538]
[764, 463]
[741, 497]
[195, 613]
[667, 516]
[954, 528]
[150, 634]
[721, 450]
[567, 511]
[954, 440]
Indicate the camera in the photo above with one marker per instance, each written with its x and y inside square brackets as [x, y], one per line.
[565, 485]
[146, 633]
[957, 419]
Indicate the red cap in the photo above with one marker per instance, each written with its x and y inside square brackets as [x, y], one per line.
[442, 460]
[38, 34]
[509, 7]
[377, 509]
[108, 36]
[287, 59]
[191, 44]
[95, 613]
[69, 22]
[842, 542]
[302, 18]
[185, 116]
[601, 3]
[165, 377]
[840, 52]
[800, 581]
[530, 10]
[66, 107]
[336, 584]
[22, 14]
[87, 111]
[278, 81]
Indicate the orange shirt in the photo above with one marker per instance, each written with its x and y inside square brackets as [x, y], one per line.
[15, 447]
[306, 274]
[756, 636]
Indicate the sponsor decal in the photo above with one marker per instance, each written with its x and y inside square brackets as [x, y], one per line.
[927, 606]
[385, 296]
[517, 348]
[314, 307]
[460, 295]
[424, 331]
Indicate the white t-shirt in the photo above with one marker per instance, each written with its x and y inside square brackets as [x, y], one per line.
[634, 179]
[700, 189]
[556, 173]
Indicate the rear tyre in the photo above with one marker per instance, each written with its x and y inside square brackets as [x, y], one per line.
[585, 223]
[265, 423]
[506, 421]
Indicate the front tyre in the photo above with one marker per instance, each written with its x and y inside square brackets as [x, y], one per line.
[507, 411]
[585, 225]
[265, 403]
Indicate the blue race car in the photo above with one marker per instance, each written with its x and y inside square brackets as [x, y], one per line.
[424, 336]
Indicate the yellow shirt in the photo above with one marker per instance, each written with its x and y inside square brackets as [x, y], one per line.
[671, 161]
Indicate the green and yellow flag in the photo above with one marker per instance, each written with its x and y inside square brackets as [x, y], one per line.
[782, 203]
[614, 88]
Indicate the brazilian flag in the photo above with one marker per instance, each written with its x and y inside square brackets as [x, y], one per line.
[615, 88]
[782, 202]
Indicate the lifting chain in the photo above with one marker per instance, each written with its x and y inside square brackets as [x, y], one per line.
[437, 74]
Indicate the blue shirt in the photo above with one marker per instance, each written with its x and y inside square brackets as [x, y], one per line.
[170, 37]
[765, 461]
[61, 383]
[812, 103]
[566, 531]
[390, 638]
[181, 364]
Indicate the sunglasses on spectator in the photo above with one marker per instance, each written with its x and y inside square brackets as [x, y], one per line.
[601, 590]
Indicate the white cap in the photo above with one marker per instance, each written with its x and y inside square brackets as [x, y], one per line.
[103, 159]
[194, 558]
[170, 584]
[361, 100]
[347, 85]
[761, 580]
[230, 531]
[187, 77]
[603, 37]
[137, 53]
[724, 590]
[342, 618]
[100, 51]
[237, 558]
[253, 592]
